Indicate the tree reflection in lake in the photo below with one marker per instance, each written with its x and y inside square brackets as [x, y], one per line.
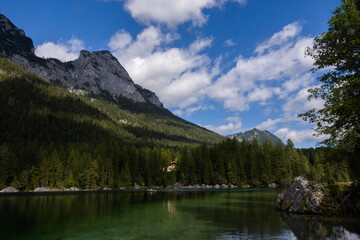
[321, 227]
[229, 214]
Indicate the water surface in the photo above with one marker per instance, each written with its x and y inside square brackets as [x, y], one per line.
[239, 214]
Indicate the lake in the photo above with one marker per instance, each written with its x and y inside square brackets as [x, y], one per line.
[232, 214]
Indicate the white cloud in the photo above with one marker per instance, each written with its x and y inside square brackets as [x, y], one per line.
[269, 124]
[172, 12]
[299, 103]
[298, 136]
[233, 119]
[202, 107]
[289, 31]
[200, 45]
[185, 90]
[120, 40]
[230, 43]
[226, 129]
[179, 76]
[296, 82]
[67, 51]
[261, 94]
[178, 112]
[276, 71]
[234, 125]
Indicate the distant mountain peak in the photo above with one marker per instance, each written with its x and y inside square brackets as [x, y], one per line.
[261, 136]
[98, 72]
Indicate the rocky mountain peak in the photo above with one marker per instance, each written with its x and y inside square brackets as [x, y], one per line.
[13, 40]
[98, 72]
[84, 54]
[261, 136]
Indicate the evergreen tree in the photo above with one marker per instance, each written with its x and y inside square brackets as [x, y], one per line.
[125, 176]
[92, 174]
[7, 166]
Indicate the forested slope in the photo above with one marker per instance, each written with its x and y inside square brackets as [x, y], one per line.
[35, 110]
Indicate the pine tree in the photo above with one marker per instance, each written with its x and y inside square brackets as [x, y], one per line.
[125, 176]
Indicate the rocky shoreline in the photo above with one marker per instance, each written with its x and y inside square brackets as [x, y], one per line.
[175, 187]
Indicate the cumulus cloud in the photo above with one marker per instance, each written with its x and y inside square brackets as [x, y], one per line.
[261, 94]
[179, 76]
[172, 12]
[278, 69]
[299, 103]
[234, 125]
[269, 124]
[288, 32]
[298, 136]
[296, 82]
[64, 51]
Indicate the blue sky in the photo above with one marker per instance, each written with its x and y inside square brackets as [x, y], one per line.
[228, 65]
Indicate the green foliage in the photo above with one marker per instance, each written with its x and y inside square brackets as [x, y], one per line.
[91, 174]
[125, 176]
[7, 165]
[340, 86]
[290, 143]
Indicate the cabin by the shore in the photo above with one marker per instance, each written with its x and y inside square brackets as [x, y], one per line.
[171, 167]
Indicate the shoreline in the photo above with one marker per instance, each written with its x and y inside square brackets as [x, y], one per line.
[150, 191]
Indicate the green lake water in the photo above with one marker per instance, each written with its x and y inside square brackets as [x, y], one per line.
[233, 214]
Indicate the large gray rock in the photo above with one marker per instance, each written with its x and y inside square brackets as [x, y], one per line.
[9, 190]
[302, 196]
[97, 72]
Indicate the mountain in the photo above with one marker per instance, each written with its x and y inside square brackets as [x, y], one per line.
[252, 134]
[89, 100]
[97, 72]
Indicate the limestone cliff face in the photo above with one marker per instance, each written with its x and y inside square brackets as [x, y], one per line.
[98, 72]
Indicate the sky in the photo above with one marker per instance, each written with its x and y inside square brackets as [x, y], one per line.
[227, 65]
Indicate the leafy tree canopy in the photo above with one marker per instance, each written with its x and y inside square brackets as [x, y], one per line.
[337, 51]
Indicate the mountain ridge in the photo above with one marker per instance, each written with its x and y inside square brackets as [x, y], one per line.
[98, 72]
[132, 113]
[261, 136]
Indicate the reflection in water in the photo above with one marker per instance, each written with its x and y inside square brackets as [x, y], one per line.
[321, 227]
[162, 215]
[171, 208]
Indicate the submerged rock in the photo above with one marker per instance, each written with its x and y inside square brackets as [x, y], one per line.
[302, 196]
[9, 190]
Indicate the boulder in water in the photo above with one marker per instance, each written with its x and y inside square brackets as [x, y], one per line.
[302, 196]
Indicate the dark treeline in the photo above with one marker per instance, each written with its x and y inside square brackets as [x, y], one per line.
[232, 162]
[117, 165]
